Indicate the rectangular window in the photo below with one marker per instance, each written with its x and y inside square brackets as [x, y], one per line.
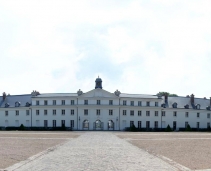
[147, 113]
[86, 102]
[124, 112]
[72, 112]
[139, 103]
[54, 112]
[186, 124]
[131, 103]
[17, 112]
[63, 102]
[98, 111]
[17, 123]
[197, 125]
[156, 124]
[208, 125]
[198, 114]
[37, 102]
[156, 103]
[208, 115]
[131, 123]
[54, 123]
[147, 124]
[163, 113]
[27, 112]
[45, 102]
[174, 113]
[110, 102]
[72, 102]
[72, 123]
[98, 102]
[139, 113]
[45, 123]
[54, 102]
[6, 113]
[124, 102]
[186, 114]
[37, 112]
[85, 111]
[45, 112]
[63, 112]
[110, 112]
[156, 113]
[63, 123]
[148, 103]
[132, 113]
[139, 124]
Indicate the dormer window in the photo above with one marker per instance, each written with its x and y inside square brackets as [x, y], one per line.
[174, 105]
[198, 106]
[17, 104]
[7, 104]
[163, 105]
[186, 106]
[27, 104]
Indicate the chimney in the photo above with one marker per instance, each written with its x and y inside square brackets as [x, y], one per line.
[166, 97]
[4, 96]
[192, 99]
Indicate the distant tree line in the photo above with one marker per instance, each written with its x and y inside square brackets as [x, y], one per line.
[162, 93]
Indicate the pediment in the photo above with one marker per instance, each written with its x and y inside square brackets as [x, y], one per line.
[98, 93]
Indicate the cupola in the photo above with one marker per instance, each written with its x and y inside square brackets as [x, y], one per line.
[98, 83]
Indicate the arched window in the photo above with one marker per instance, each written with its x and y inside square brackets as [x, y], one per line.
[85, 124]
[97, 124]
[110, 124]
[174, 105]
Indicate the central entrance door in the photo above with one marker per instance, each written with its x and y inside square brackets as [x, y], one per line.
[110, 125]
[98, 125]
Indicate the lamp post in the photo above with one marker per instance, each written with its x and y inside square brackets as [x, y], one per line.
[79, 122]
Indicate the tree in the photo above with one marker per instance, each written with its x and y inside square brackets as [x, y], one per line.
[22, 127]
[168, 129]
[188, 128]
[162, 93]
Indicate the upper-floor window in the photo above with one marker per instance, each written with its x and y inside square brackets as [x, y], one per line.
[131, 103]
[98, 102]
[139, 113]
[37, 112]
[110, 112]
[45, 112]
[124, 112]
[6, 113]
[86, 102]
[147, 113]
[63, 112]
[186, 114]
[208, 115]
[175, 113]
[139, 103]
[124, 102]
[110, 102]
[132, 113]
[156, 103]
[163, 113]
[27, 112]
[63, 102]
[148, 103]
[72, 102]
[156, 113]
[198, 115]
[45, 102]
[17, 112]
[72, 112]
[54, 112]
[85, 111]
[37, 102]
[54, 102]
[98, 112]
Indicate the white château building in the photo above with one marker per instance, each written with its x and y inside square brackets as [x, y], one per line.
[99, 109]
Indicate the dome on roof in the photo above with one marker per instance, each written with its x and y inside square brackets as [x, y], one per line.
[98, 83]
[98, 79]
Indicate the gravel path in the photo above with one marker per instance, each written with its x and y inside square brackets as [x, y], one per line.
[96, 151]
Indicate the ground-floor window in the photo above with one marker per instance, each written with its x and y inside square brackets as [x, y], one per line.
[72, 123]
[197, 125]
[45, 123]
[37, 123]
[110, 124]
[139, 124]
[156, 124]
[17, 123]
[208, 124]
[63, 123]
[54, 123]
[131, 123]
[27, 123]
[85, 124]
[147, 124]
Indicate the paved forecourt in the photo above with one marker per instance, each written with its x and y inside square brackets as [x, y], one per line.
[95, 151]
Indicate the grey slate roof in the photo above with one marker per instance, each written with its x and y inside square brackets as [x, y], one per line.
[12, 99]
[144, 96]
[57, 95]
[182, 101]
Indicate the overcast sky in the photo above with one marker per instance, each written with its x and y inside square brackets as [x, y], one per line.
[139, 47]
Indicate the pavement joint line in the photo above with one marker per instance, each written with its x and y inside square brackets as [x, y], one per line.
[34, 138]
[147, 139]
